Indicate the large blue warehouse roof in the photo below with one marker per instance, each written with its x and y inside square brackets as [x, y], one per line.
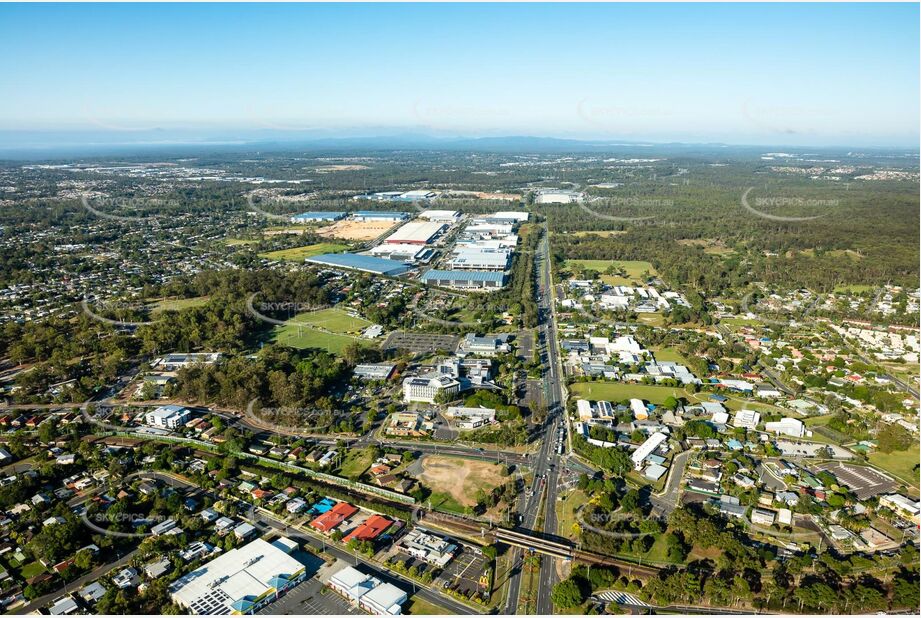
[360, 262]
[320, 214]
[463, 275]
[381, 214]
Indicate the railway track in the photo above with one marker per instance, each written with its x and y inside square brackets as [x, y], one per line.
[533, 542]
[472, 528]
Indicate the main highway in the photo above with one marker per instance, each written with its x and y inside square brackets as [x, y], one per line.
[540, 501]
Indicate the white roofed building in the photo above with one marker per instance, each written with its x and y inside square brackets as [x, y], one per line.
[368, 592]
[178, 360]
[647, 448]
[433, 549]
[763, 517]
[374, 371]
[639, 410]
[746, 419]
[517, 215]
[470, 418]
[167, 417]
[911, 509]
[415, 233]
[443, 216]
[241, 580]
[401, 252]
[584, 409]
[472, 259]
[426, 388]
[418, 194]
[787, 426]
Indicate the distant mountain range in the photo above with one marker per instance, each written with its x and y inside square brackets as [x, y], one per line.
[49, 144]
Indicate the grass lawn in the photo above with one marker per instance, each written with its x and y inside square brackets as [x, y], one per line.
[904, 370]
[356, 462]
[650, 319]
[618, 391]
[739, 322]
[633, 268]
[822, 419]
[445, 501]
[302, 337]
[299, 254]
[419, 606]
[659, 550]
[333, 320]
[666, 355]
[233, 242]
[31, 570]
[885, 527]
[899, 463]
[566, 512]
[297, 332]
[177, 304]
[818, 436]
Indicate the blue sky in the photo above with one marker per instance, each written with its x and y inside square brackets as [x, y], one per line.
[810, 74]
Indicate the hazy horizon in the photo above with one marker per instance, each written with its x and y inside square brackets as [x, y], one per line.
[61, 144]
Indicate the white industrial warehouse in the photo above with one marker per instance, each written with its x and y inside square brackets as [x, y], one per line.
[416, 233]
[473, 259]
[444, 216]
[241, 580]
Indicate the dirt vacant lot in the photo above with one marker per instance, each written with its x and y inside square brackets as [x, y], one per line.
[460, 478]
[355, 230]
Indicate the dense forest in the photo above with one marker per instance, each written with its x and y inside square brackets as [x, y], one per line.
[700, 235]
[93, 353]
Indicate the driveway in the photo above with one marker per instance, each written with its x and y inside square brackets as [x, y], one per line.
[665, 502]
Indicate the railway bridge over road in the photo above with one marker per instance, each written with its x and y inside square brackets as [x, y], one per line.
[529, 540]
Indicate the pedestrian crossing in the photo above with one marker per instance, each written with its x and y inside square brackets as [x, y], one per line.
[621, 598]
